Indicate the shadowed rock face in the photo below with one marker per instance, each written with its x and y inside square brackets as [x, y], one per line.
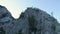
[32, 21]
[5, 16]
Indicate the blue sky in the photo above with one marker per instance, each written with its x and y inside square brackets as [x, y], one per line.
[18, 6]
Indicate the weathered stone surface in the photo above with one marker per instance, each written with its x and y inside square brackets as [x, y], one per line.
[5, 16]
[32, 21]
[5, 19]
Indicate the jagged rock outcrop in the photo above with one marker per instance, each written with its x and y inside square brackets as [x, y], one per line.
[5, 19]
[5, 16]
[39, 22]
[32, 21]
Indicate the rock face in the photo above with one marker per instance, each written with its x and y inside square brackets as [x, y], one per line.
[32, 21]
[5, 16]
[5, 19]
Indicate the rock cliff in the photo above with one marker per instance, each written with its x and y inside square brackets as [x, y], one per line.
[32, 21]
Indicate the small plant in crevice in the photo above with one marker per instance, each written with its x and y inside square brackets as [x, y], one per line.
[2, 31]
[20, 31]
[53, 27]
[31, 21]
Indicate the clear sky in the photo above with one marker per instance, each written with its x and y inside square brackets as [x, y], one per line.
[17, 6]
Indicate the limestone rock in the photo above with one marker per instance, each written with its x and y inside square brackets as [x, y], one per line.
[32, 21]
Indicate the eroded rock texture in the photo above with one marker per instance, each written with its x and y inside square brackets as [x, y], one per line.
[32, 21]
